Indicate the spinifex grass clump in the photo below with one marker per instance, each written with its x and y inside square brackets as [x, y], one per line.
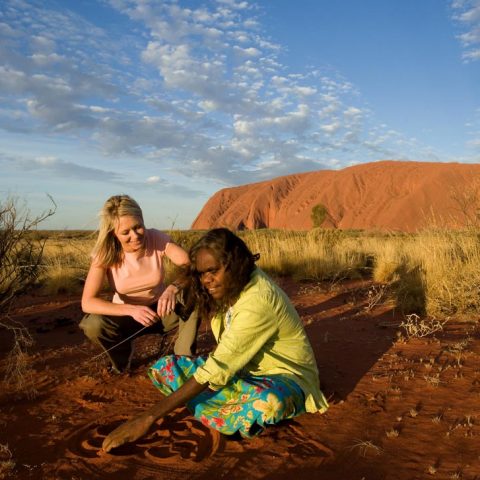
[451, 263]
[65, 265]
[7, 463]
[319, 256]
[433, 272]
[19, 374]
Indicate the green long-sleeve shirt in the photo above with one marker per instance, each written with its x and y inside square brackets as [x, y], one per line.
[264, 337]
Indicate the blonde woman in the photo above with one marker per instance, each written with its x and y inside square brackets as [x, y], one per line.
[130, 257]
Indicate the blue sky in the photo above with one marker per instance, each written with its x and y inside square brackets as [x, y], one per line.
[169, 101]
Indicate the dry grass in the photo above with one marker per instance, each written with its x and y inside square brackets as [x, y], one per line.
[366, 447]
[7, 464]
[417, 327]
[393, 433]
[305, 255]
[19, 375]
[433, 273]
[65, 265]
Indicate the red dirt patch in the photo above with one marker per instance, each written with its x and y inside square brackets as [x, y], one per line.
[399, 410]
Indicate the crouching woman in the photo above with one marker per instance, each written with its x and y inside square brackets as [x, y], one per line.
[263, 368]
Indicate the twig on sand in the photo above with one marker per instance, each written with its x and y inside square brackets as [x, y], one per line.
[366, 447]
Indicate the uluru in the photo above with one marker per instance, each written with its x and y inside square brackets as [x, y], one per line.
[385, 195]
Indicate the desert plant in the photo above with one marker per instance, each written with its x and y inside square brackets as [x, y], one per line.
[65, 265]
[392, 433]
[18, 373]
[20, 251]
[416, 327]
[432, 273]
[467, 201]
[7, 464]
[366, 447]
[318, 214]
[20, 261]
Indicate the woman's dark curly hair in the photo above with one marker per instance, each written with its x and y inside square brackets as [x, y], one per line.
[239, 262]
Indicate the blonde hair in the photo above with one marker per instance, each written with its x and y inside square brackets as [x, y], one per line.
[108, 250]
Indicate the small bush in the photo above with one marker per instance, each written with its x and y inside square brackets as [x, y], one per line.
[20, 262]
[416, 327]
[318, 215]
[20, 250]
[7, 464]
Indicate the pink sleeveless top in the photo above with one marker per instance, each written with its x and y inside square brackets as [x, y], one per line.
[139, 279]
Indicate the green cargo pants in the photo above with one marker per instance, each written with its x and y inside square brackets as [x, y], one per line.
[109, 331]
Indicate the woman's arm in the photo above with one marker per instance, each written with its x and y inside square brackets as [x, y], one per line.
[168, 299]
[92, 303]
[177, 254]
[139, 426]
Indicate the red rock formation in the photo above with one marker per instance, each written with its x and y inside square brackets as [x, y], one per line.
[385, 195]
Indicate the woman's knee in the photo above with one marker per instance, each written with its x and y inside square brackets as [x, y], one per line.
[92, 325]
[169, 322]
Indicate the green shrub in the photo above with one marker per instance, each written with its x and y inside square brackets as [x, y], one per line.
[318, 215]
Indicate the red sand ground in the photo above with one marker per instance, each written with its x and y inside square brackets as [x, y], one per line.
[399, 409]
[386, 195]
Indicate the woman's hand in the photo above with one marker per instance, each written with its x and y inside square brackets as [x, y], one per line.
[144, 315]
[128, 432]
[166, 303]
[139, 426]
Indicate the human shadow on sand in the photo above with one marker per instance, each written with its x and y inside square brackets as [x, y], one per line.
[348, 336]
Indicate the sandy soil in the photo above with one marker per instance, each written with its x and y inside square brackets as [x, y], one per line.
[399, 409]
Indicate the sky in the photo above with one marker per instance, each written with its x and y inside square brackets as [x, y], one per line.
[171, 100]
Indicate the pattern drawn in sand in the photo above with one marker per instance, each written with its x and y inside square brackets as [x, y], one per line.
[172, 445]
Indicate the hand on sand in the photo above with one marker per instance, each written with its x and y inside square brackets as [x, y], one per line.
[128, 432]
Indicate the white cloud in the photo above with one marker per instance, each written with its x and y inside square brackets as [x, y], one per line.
[153, 179]
[7, 31]
[51, 166]
[43, 44]
[234, 4]
[352, 112]
[305, 91]
[247, 52]
[192, 90]
[44, 60]
[46, 160]
[97, 109]
[472, 55]
[467, 14]
[11, 80]
[331, 128]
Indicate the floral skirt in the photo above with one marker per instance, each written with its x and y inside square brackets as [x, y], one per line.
[245, 404]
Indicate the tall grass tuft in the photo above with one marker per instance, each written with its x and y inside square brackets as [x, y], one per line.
[314, 255]
[65, 265]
